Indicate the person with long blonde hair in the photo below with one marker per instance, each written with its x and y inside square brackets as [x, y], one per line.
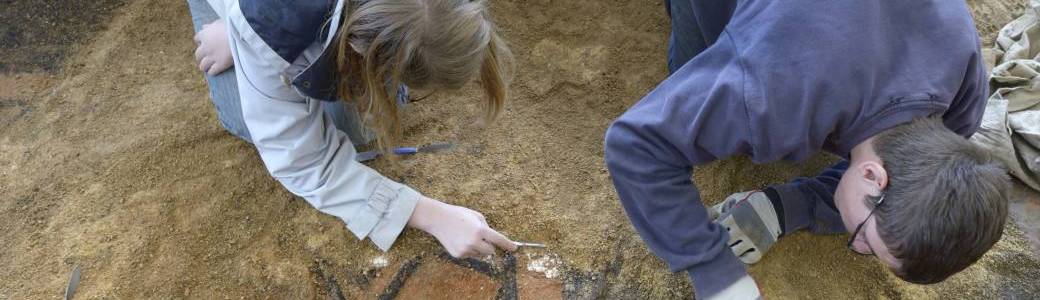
[305, 81]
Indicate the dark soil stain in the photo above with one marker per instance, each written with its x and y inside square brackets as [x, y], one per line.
[35, 35]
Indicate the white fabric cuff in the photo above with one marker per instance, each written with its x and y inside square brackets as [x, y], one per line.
[385, 214]
[745, 288]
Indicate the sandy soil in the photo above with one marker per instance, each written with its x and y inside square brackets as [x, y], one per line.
[113, 160]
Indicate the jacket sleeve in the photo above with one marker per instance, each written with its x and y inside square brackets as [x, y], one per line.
[695, 116]
[303, 150]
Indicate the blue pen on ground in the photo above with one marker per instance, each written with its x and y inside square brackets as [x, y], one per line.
[431, 148]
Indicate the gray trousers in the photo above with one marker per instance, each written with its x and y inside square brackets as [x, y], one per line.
[223, 91]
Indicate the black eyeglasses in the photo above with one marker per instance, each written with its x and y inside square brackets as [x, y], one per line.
[858, 228]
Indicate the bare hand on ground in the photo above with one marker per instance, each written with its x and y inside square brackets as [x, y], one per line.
[463, 232]
[213, 54]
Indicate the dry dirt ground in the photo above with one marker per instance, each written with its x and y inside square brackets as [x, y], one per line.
[111, 159]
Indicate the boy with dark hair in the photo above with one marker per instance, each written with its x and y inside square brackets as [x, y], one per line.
[893, 87]
[946, 200]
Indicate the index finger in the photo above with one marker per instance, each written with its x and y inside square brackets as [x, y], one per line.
[499, 240]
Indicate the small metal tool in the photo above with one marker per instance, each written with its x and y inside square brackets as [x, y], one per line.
[70, 289]
[531, 245]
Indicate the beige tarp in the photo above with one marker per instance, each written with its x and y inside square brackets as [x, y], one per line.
[1011, 125]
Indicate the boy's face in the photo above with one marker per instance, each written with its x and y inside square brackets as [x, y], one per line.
[863, 179]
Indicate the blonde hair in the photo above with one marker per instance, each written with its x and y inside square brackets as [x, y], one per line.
[423, 44]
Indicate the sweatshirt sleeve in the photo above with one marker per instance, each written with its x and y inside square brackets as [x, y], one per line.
[695, 116]
[303, 150]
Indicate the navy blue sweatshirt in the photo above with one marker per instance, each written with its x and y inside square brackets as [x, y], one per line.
[782, 81]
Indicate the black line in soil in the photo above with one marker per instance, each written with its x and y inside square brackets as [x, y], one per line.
[363, 278]
[508, 280]
[327, 279]
[472, 264]
[594, 285]
[610, 271]
[400, 278]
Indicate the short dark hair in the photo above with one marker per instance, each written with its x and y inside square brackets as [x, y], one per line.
[945, 203]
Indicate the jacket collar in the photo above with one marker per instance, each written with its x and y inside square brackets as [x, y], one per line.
[291, 27]
[319, 80]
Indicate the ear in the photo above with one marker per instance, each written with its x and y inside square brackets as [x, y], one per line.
[875, 173]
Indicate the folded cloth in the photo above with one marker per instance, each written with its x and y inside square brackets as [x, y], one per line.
[1011, 125]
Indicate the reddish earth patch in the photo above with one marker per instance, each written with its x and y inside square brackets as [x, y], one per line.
[381, 279]
[532, 285]
[437, 279]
